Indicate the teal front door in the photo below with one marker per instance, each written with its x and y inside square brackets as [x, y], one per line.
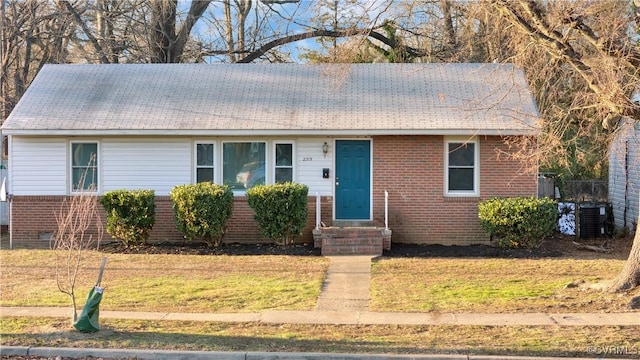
[353, 180]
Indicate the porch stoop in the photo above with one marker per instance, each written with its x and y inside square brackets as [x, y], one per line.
[352, 240]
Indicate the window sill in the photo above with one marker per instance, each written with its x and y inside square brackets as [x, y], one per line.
[461, 198]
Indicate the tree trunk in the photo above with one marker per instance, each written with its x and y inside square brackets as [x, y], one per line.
[449, 30]
[243, 11]
[163, 33]
[629, 277]
[229, 31]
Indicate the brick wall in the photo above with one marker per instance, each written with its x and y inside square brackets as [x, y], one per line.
[34, 221]
[411, 169]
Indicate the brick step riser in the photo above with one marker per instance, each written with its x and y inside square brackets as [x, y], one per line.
[352, 241]
[351, 250]
[373, 238]
[354, 234]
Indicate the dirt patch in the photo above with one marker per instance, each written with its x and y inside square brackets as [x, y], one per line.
[617, 247]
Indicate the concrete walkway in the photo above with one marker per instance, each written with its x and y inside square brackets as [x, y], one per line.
[346, 287]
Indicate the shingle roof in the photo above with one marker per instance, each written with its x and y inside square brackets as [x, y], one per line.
[236, 99]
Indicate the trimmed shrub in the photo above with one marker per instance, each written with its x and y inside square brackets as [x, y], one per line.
[518, 221]
[280, 210]
[202, 211]
[130, 214]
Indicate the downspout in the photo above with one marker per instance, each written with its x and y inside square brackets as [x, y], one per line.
[10, 221]
[318, 211]
[386, 210]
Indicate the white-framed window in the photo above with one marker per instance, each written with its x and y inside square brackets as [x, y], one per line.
[462, 171]
[205, 161]
[84, 166]
[283, 164]
[244, 164]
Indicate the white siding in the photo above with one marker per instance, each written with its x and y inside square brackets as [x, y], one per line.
[155, 164]
[38, 166]
[624, 185]
[310, 163]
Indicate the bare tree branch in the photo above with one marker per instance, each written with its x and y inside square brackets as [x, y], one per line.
[329, 33]
[196, 11]
[87, 32]
[558, 47]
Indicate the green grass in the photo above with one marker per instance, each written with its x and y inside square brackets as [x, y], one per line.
[493, 285]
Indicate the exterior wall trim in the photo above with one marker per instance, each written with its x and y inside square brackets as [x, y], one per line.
[249, 133]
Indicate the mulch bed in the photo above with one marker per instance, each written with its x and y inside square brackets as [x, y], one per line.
[556, 246]
[397, 250]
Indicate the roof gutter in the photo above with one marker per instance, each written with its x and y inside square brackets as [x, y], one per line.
[260, 132]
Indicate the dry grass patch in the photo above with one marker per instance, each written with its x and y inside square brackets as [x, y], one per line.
[573, 341]
[495, 285]
[171, 283]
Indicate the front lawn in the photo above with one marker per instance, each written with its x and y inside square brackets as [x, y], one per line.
[223, 283]
[495, 285]
[169, 283]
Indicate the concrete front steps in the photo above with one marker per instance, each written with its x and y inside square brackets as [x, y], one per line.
[352, 240]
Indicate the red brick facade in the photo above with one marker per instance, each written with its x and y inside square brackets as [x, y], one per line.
[410, 168]
[34, 221]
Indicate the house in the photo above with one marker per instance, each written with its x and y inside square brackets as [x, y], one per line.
[624, 175]
[433, 136]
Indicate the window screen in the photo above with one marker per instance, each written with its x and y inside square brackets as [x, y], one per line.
[284, 163]
[204, 162]
[461, 167]
[244, 164]
[84, 166]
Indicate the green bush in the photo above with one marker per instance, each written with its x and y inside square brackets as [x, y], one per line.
[280, 210]
[518, 221]
[202, 211]
[130, 214]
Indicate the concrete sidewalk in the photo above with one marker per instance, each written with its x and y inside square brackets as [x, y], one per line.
[52, 353]
[354, 318]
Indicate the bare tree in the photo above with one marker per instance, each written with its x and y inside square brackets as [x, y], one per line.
[32, 33]
[77, 215]
[587, 45]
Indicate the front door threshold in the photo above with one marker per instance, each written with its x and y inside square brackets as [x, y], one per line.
[352, 223]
